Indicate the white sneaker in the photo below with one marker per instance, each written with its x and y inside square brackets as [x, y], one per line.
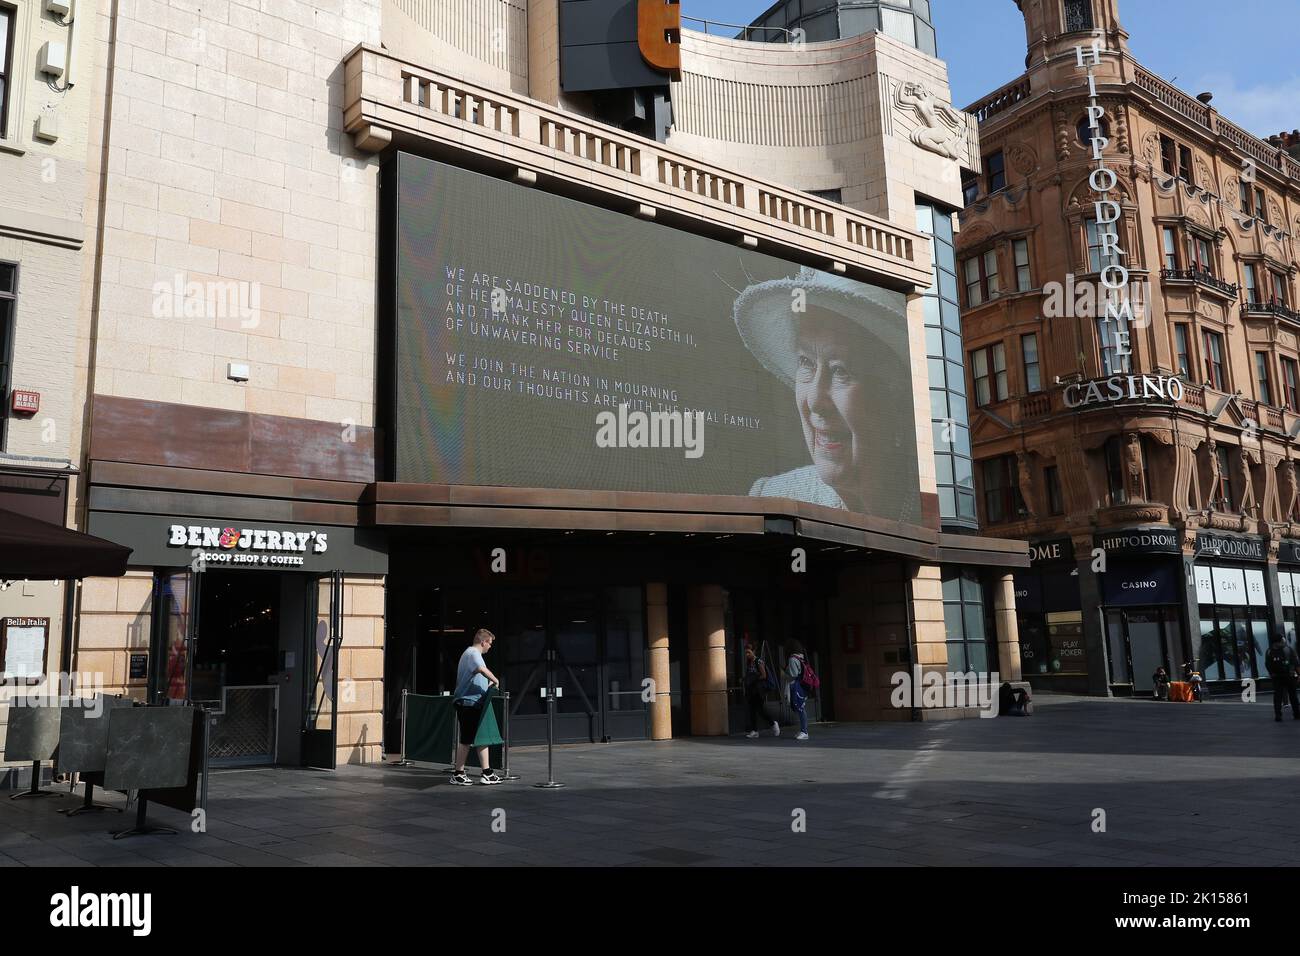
[776, 729]
[752, 734]
[801, 736]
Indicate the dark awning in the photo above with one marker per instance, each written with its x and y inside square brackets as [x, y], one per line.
[33, 550]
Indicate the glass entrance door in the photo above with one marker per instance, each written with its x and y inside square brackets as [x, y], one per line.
[1139, 641]
[588, 642]
[574, 665]
[1147, 647]
[324, 635]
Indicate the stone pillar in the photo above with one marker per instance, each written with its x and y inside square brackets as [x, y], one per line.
[707, 647]
[361, 670]
[656, 622]
[1008, 628]
[930, 634]
[1276, 622]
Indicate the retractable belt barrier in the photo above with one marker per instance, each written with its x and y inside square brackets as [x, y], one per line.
[430, 731]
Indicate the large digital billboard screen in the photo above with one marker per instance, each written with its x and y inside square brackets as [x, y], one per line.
[545, 343]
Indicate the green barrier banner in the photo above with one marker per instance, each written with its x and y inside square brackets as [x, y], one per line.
[430, 729]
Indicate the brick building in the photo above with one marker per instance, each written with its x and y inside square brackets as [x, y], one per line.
[1148, 458]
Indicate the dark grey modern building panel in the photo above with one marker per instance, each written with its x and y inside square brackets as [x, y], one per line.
[599, 49]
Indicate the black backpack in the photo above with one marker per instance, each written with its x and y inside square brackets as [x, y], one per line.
[1279, 660]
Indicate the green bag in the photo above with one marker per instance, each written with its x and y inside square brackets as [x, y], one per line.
[489, 731]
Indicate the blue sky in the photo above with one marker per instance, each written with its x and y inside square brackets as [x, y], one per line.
[1242, 51]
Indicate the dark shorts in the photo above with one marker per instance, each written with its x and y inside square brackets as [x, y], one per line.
[468, 717]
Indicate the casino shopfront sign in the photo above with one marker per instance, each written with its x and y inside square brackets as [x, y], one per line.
[1124, 388]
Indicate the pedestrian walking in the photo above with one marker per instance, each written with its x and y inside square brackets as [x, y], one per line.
[472, 682]
[1282, 663]
[758, 680]
[802, 680]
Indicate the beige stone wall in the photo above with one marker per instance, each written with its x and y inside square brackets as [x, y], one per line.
[818, 116]
[42, 227]
[361, 671]
[226, 167]
[487, 41]
[113, 621]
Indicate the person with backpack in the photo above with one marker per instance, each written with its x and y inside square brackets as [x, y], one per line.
[1282, 662]
[803, 681]
[758, 680]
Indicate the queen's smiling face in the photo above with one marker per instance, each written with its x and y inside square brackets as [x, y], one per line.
[831, 393]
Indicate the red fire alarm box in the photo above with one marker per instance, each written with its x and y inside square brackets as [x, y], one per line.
[25, 402]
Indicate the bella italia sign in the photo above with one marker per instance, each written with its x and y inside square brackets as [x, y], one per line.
[1123, 388]
[1114, 275]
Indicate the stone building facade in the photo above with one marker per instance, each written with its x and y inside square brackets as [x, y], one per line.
[1149, 458]
[237, 354]
[46, 84]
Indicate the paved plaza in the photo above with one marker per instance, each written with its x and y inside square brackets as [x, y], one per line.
[1180, 784]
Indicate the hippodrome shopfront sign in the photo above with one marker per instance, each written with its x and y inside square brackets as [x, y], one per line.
[1123, 388]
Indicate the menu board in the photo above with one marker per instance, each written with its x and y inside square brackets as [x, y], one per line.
[22, 646]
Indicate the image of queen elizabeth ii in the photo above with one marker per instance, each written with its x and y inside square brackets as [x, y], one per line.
[844, 357]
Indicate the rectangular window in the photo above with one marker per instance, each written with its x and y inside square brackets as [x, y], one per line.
[991, 277]
[8, 297]
[974, 287]
[1200, 254]
[989, 369]
[1112, 362]
[1115, 472]
[1213, 343]
[1029, 351]
[1260, 212]
[1243, 193]
[1171, 247]
[1055, 500]
[1182, 345]
[1263, 378]
[1252, 284]
[1096, 260]
[970, 188]
[1001, 496]
[1279, 289]
[996, 170]
[981, 278]
[6, 65]
[1185, 164]
[1168, 155]
[1020, 249]
[1291, 381]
